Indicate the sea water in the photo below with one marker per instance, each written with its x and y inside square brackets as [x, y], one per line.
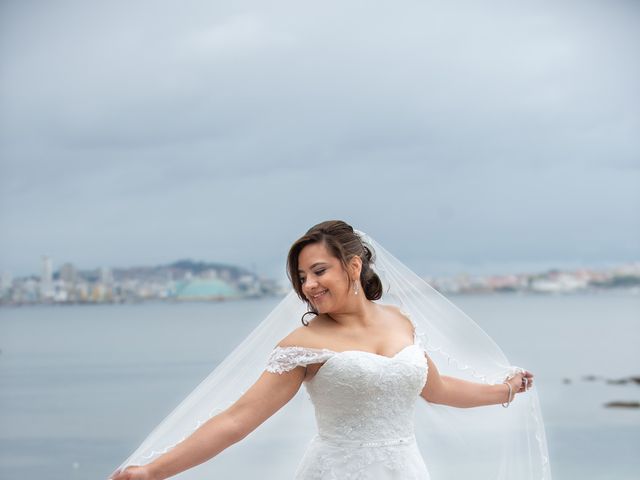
[81, 386]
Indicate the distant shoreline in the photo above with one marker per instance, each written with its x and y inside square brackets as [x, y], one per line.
[622, 292]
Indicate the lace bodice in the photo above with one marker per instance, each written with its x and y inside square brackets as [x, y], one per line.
[360, 395]
[361, 399]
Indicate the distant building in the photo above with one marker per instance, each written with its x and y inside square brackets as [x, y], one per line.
[558, 283]
[205, 289]
[68, 273]
[106, 277]
[46, 277]
[6, 281]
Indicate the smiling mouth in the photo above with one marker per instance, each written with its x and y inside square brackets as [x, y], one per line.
[319, 295]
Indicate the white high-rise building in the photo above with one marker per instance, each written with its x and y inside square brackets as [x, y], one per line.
[6, 280]
[46, 277]
[106, 276]
[68, 273]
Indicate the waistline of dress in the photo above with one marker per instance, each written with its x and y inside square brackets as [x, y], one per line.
[387, 442]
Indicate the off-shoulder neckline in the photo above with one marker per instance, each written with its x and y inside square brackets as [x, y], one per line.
[335, 352]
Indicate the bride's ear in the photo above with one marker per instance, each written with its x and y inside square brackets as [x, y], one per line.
[355, 268]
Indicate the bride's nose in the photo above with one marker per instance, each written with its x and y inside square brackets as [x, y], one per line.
[310, 284]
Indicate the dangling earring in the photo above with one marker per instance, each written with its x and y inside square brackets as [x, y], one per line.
[355, 287]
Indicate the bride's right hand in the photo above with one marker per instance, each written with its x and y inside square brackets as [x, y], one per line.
[132, 473]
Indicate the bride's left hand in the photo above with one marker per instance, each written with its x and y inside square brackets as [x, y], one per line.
[133, 472]
[521, 382]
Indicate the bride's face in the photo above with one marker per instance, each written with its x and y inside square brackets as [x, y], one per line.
[324, 281]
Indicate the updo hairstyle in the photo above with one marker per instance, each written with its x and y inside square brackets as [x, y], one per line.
[344, 244]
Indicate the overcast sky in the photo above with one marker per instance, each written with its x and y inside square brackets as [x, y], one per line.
[464, 136]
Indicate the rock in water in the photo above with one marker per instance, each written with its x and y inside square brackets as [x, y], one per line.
[620, 404]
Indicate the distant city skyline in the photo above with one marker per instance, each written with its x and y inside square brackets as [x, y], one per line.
[462, 136]
[69, 269]
[212, 282]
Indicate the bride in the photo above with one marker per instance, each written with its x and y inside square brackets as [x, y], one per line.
[364, 364]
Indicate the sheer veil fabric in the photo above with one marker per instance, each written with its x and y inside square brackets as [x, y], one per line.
[488, 442]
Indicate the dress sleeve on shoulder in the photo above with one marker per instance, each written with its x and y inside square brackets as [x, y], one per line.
[285, 359]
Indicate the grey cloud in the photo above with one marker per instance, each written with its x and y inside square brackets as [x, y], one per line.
[504, 132]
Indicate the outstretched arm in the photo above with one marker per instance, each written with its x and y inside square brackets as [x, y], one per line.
[456, 392]
[270, 392]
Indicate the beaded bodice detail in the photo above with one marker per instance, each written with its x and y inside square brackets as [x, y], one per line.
[364, 406]
[364, 397]
[360, 397]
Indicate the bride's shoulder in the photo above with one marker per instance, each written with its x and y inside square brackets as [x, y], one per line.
[390, 307]
[305, 336]
[396, 311]
[393, 308]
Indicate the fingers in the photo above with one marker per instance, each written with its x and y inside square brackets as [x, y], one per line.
[521, 381]
[523, 384]
[527, 381]
[120, 475]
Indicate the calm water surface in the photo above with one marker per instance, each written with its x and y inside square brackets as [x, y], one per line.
[81, 386]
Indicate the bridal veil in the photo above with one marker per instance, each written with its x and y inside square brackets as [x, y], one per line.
[488, 443]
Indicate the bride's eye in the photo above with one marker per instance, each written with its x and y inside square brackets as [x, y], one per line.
[320, 272]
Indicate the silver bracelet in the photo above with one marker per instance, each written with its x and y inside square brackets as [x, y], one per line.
[510, 392]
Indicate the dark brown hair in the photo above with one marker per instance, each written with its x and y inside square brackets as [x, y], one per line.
[343, 243]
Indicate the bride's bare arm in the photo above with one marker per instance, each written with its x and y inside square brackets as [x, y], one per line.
[456, 392]
[270, 392]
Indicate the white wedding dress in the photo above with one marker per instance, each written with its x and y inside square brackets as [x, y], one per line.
[364, 406]
[364, 403]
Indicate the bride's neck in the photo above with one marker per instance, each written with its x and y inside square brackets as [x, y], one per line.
[358, 314]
